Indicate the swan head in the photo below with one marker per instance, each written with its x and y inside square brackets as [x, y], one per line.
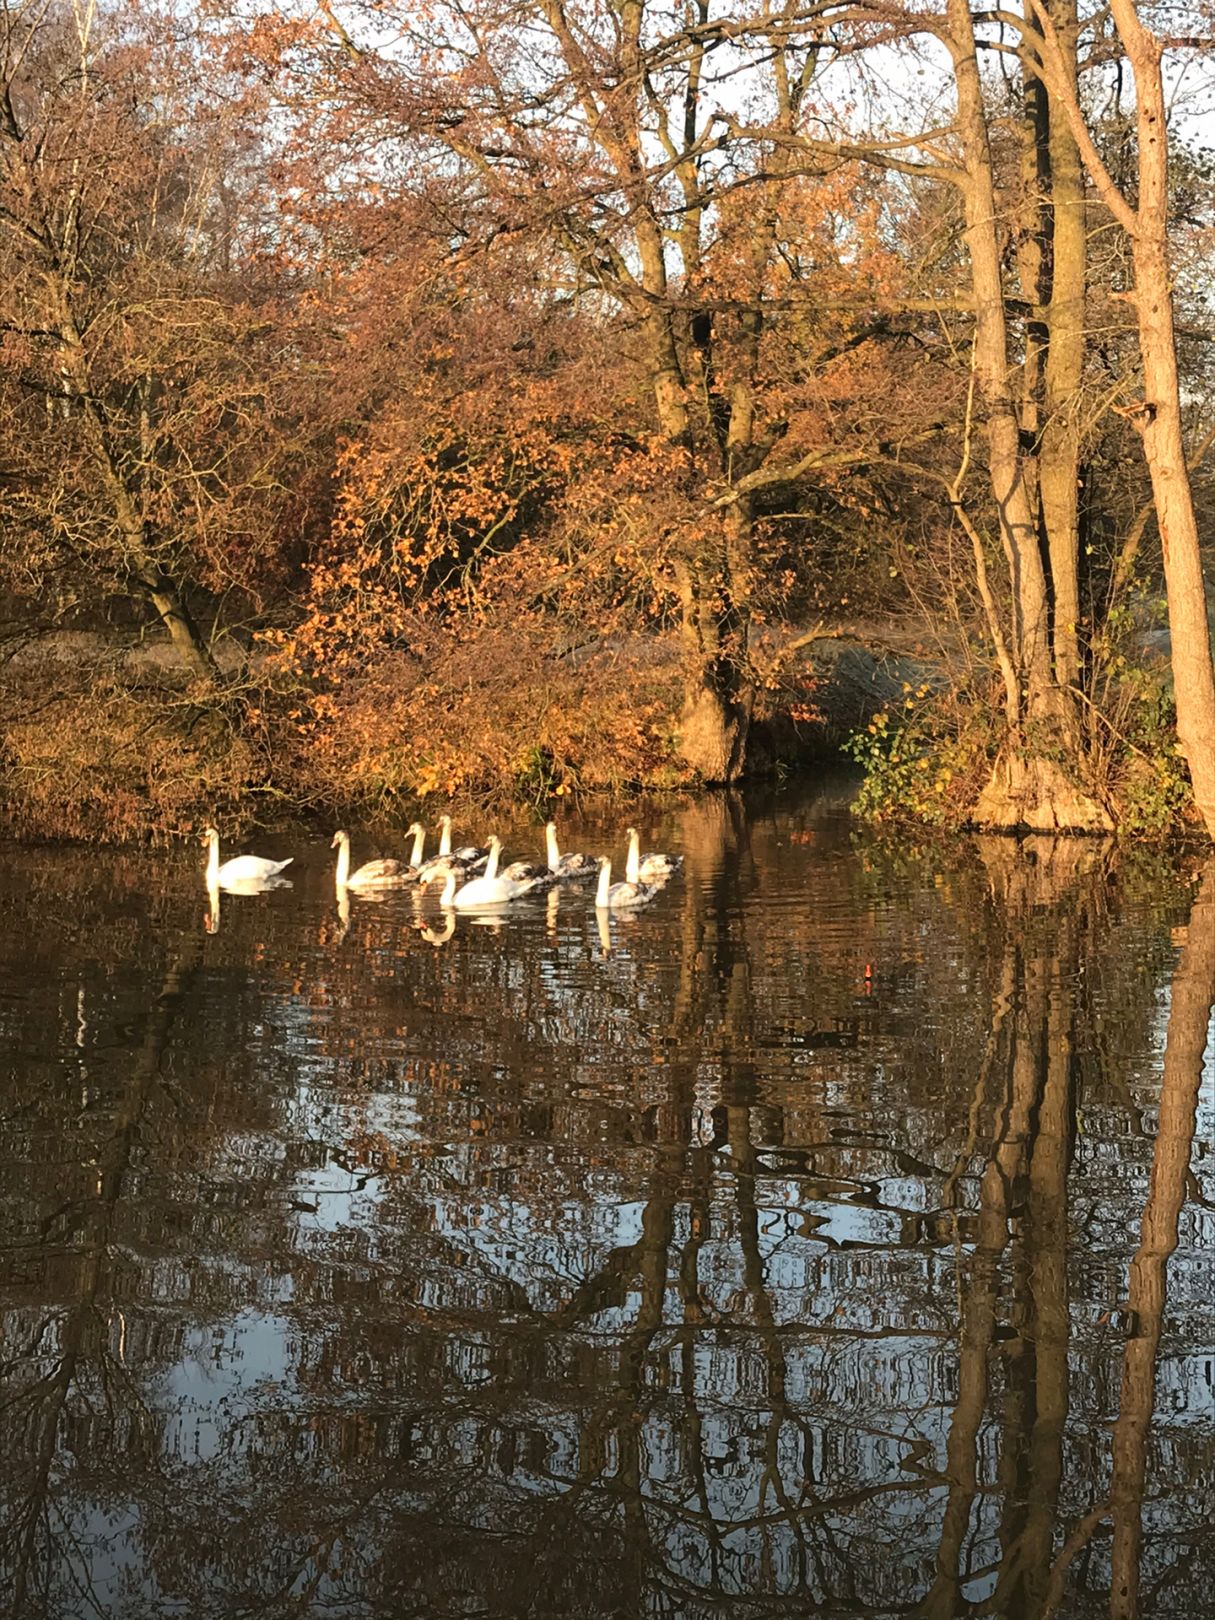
[413, 829]
[339, 838]
[208, 836]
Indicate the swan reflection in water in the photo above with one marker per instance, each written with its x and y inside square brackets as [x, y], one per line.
[242, 886]
[440, 935]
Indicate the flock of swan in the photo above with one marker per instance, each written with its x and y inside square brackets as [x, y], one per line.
[472, 878]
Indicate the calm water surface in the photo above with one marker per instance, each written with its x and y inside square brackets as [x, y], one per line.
[833, 1238]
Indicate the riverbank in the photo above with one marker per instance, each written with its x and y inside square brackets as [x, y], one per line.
[104, 740]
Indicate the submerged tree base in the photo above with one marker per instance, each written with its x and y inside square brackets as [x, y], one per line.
[1034, 793]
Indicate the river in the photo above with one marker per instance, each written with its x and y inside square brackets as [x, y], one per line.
[833, 1237]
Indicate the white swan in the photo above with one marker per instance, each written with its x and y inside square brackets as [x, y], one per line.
[651, 868]
[487, 890]
[241, 870]
[611, 896]
[567, 868]
[384, 874]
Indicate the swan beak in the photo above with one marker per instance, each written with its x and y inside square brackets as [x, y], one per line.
[335, 840]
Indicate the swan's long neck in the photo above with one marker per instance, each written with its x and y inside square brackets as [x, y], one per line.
[445, 840]
[605, 883]
[554, 852]
[343, 864]
[212, 859]
[491, 865]
[632, 867]
[419, 843]
[449, 889]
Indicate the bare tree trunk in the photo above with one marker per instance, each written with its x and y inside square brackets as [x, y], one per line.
[716, 717]
[191, 649]
[1059, 451]
[1158, 418]
[712, 582]
[1018, 530]
[1159, 421]
[1029, 786]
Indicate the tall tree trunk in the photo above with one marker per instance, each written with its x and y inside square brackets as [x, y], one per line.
[713, 578]
[1014, 508]
[1159, 420]
[1059, 451]
[1029, 786]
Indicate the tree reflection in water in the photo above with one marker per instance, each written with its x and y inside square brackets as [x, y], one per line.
[802, 1248]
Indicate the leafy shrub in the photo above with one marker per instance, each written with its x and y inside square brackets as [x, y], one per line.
[496, 712]
[1150, 783]
[924, 761]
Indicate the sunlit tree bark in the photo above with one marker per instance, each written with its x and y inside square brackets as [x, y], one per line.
[1028, 787]
[1158, 416]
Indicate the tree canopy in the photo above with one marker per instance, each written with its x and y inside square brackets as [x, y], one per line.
[517, 396]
